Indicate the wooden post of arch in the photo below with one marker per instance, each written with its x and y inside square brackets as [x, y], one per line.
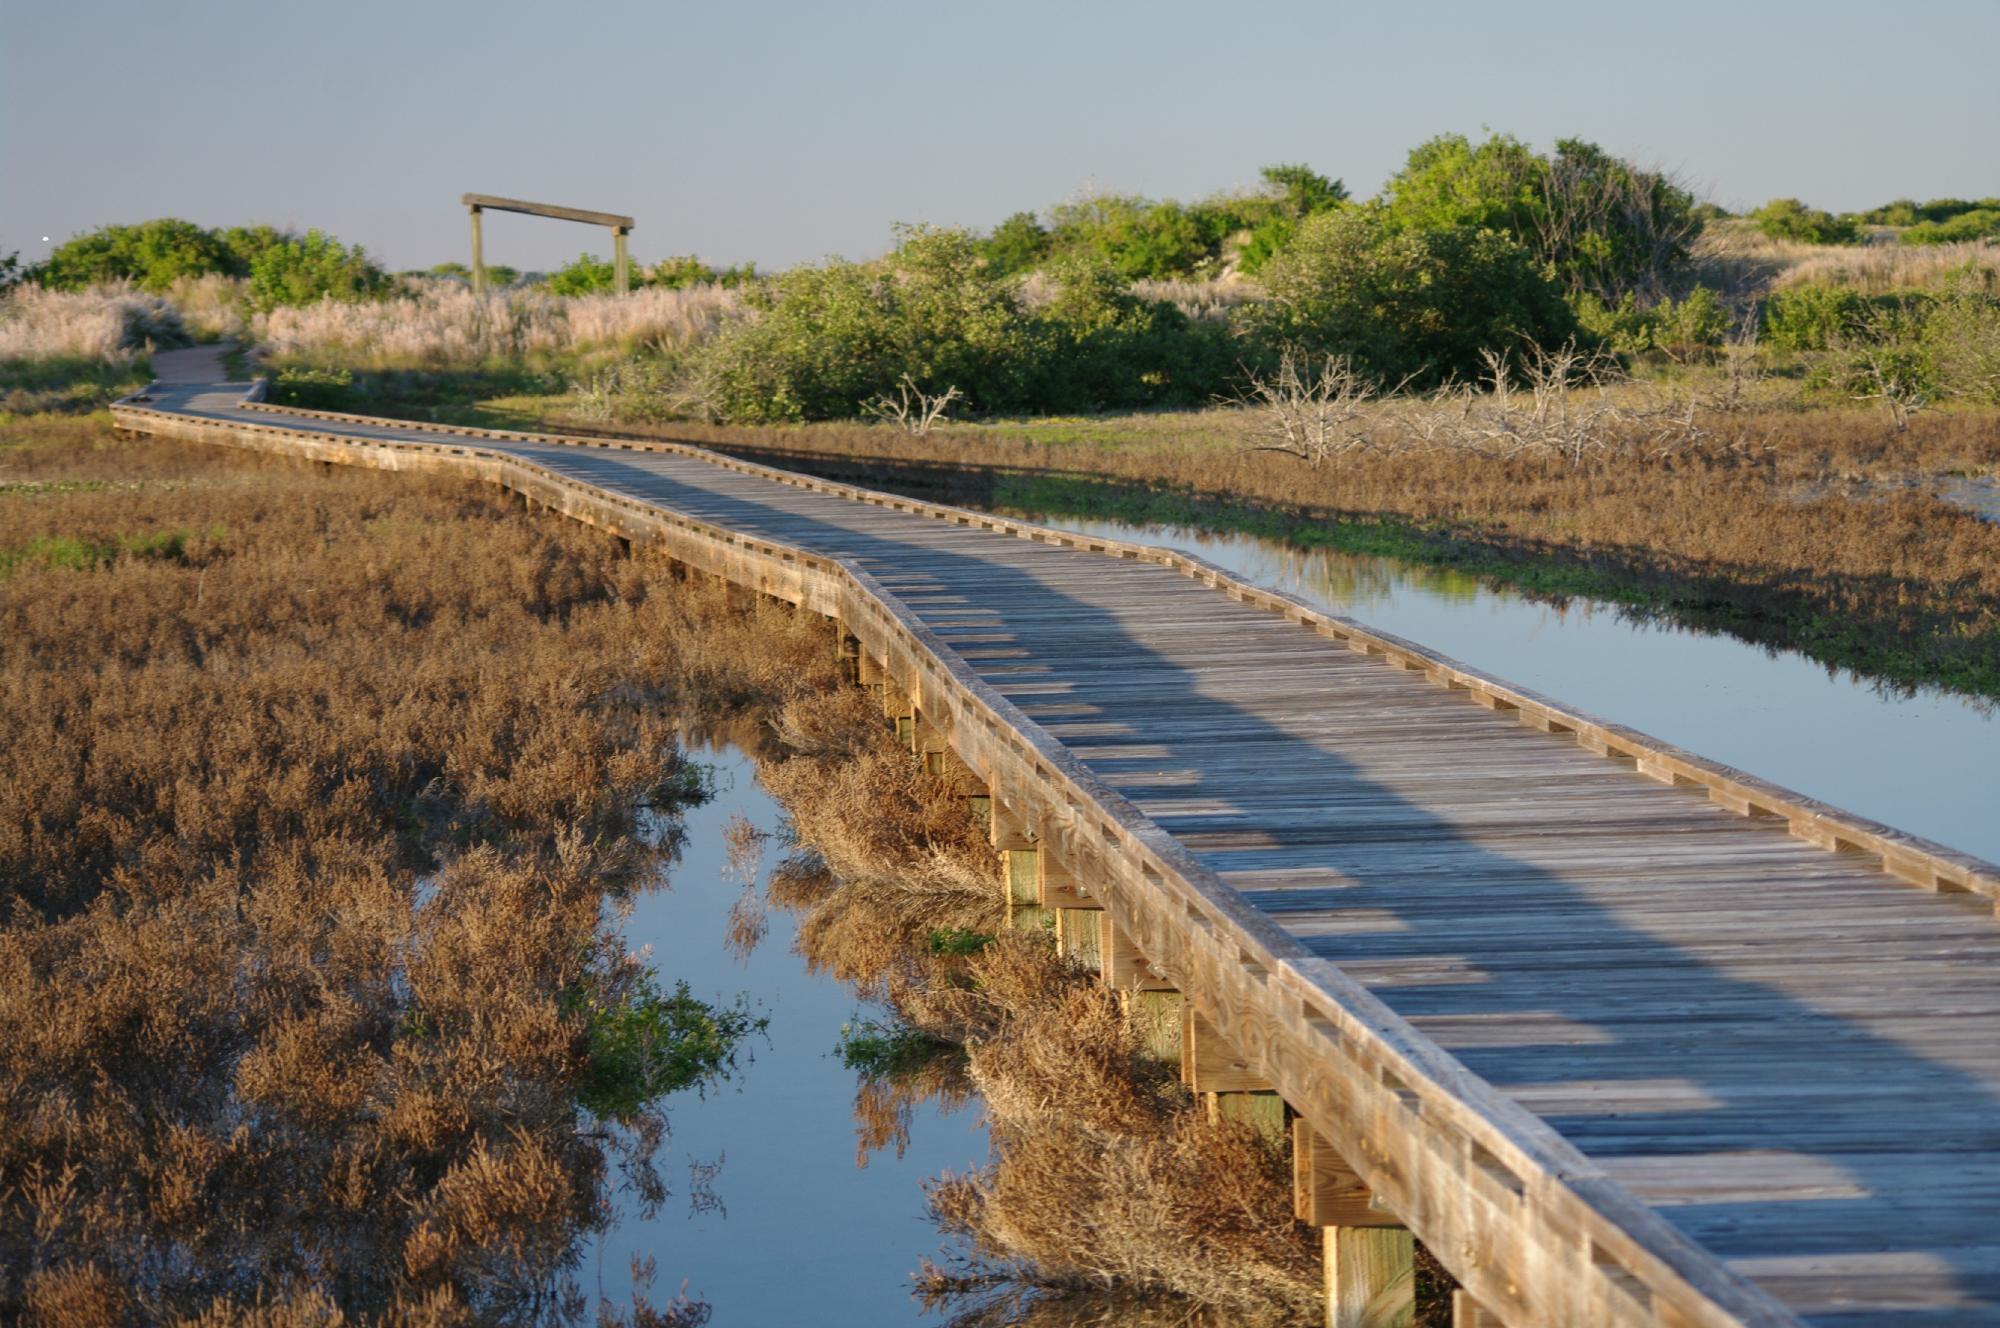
[620, 228]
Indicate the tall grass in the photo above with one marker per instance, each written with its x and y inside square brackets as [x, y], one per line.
[442, 324]
[113, 325]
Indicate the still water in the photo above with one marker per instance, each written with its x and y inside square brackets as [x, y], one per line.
[798, 1233]
[1927, 763]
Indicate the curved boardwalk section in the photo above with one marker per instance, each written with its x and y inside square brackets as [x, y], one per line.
[1623, 1036]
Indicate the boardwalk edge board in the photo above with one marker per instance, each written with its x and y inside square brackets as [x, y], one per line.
[1534, 1229]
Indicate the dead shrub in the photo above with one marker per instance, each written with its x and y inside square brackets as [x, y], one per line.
[307, 818]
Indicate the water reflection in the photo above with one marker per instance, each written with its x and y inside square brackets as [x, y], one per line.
[800, 1234]
[1926, 762]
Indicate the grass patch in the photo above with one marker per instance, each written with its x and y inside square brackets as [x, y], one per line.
[70, 386]
[71, 553]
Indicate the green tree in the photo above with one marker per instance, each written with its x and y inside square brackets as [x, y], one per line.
[1403, 302]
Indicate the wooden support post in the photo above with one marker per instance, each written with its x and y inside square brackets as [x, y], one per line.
[1018, 873]
[621, 261]
[901, 711]
[1326, 1192]
[1264, 1112]
[1077, 936]
[1469, 1313]
[846, 652]
[478, 256]
[1210, 1065]
[1371, 1277]
[1157, 1016]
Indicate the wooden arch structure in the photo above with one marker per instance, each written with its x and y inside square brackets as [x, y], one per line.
[620, 228]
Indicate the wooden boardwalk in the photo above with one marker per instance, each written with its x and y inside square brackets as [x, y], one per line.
[1623, 1036]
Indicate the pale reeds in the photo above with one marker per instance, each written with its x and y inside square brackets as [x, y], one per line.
[113, 324]
[1739, 260]
[442, 324]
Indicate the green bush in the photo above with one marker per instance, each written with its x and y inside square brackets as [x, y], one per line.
[1690, 326]
[151, 254]
[1972, 224]
[1018, 244]
[1603, 226]
[1139, 238]
[1961, 341]
[588, 275]
[1789, 219]
[1813, 317]
[1407, 303]
[829, 339]
[687, 270]
[312, 267]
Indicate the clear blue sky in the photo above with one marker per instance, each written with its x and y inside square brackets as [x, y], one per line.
[787, 131]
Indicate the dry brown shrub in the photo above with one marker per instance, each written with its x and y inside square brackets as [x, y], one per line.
[306, 822]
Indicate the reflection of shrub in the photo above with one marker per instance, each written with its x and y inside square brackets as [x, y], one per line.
[646, 1042]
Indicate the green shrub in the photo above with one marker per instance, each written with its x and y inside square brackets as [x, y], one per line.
[829, 339]
[1961, 342]
[1789, 219]
[1406, 303]
[1602, 225]
[1018, 244]
[1813, 317]
[1681, 329]
[151, 254]
[687, 270]
[1139, 238]
[1972, 224]
[588, 275]
[306, 269]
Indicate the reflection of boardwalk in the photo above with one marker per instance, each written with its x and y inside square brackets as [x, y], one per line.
[1694, 1069]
